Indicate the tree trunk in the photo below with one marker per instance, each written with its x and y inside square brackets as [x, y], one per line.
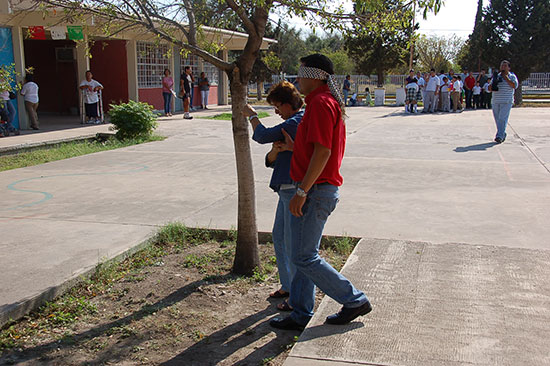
[260, 88]
[246, 254]
[380, 76]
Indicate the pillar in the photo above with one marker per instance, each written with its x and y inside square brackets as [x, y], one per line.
[223, 83]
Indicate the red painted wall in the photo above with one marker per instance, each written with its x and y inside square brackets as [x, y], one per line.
[152, 96]
[109, 66]
[57, 81]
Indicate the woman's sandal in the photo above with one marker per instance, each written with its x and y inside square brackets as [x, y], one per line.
[279, 294]
[284, 306]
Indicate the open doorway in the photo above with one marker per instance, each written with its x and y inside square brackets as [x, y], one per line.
[55, 72]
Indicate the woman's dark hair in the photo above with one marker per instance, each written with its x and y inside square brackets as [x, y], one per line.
[164, 73]
[285, 93]
[319, 61]
[29, 78]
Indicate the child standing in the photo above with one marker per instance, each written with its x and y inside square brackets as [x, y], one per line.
[445, 101]
[412, 91]
[488, 95]
[477, 95]
[368, 98]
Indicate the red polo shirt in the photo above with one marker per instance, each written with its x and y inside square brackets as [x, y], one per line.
[322, 123]
[470, 82]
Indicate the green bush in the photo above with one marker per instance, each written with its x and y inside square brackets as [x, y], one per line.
[133, 120]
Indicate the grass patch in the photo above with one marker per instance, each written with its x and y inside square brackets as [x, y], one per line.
[227, 116]
[209, 253]
[67, 150]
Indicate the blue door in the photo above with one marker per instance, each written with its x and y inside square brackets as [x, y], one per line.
[6, 58]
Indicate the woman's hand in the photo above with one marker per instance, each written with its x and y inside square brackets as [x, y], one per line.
[249, 111]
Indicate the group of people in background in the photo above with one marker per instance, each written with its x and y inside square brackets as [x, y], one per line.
[29, 91]
[187, 93]
[354, 99]
[447, 92]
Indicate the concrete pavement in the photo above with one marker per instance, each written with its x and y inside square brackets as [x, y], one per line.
[435, 184]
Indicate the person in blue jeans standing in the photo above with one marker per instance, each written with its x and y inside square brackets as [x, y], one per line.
[318, 151]
[503, 87]
[346, 89]
[287, 102]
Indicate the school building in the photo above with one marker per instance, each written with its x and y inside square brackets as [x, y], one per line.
[130, 65]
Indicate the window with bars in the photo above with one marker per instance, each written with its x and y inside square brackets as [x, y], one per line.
[211, 71]
[152, 60]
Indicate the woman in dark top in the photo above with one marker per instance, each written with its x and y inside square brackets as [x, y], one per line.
[287, 102]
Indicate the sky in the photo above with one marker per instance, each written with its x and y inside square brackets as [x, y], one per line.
[455, 17]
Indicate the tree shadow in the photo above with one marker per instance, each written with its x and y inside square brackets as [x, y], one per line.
[225, 342]
[478, 147]
[117, 352]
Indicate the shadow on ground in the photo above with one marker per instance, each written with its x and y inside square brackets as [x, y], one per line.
[213, 349]
[478, 147]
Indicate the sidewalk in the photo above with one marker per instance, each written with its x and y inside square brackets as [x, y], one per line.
[456, 251]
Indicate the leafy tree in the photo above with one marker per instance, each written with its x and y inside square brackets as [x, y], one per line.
[177, 22]
[289, 47]
[328, 43]
[515, 30]
[378, 47]
[439, 52]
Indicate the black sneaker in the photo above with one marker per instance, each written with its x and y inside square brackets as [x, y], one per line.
[286, 324]
[346, 315]
[498, 140]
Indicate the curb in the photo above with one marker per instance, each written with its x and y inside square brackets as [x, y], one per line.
[16, 149]
[19, 309]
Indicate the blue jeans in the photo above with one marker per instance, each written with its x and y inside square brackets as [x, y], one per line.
[469, 95]
[346, 93]
[501, 112]
[167, 101]
[311, 269]
[281, 239]
[11, 114]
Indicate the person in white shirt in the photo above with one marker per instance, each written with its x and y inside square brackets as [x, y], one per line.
[30, 93]
[477, 95]
[412, 92]
[432, 89]
[456, 90]
[90, 89]
[488, 95]
[445, 101]
[421, 83]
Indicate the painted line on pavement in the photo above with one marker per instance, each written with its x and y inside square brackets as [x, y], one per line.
[47, 196]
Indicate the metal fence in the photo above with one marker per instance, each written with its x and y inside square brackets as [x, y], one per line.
[537, 83]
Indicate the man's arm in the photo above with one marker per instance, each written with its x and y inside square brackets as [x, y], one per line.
[317, 164]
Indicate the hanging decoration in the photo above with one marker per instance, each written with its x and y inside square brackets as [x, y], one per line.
[37, 32]
[58, 33]
[75, 32]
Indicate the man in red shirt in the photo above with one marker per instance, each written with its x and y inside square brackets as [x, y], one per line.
[469, 84]
[315, 167]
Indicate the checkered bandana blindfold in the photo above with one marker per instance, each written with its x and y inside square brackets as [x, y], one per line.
[318, 74]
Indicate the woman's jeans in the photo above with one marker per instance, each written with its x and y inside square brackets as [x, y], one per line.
[204, 97]
[281, 238]
[167, 101]
[11, 114]
[501, 112]
[311, 269]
